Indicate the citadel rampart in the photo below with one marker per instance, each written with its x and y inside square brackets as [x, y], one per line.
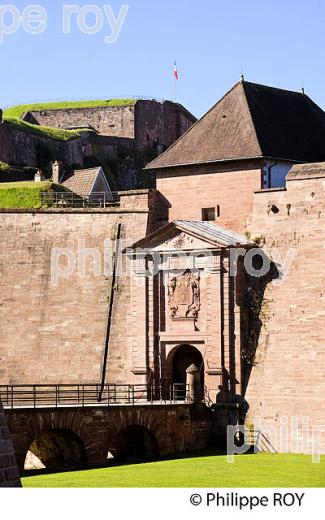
[109, 121]
[149, 123]
[57, 334]
[22, 148]
[287, 374]
[121, 139]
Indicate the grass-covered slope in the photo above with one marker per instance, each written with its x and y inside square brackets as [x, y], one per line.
[260, 470]
[13, 115]
[15, 195]
[19, 110]
[43, 131]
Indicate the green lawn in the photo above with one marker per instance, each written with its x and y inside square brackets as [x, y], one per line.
[19, 110]
[260, 470]
[25, 194]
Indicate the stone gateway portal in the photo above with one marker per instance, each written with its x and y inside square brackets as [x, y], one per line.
[183, 358]
[181, 283]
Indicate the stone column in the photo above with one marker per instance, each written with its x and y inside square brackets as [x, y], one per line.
[193, 382]
[9, 475]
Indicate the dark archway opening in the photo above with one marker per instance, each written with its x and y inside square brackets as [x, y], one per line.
[56, 450]
[184, 357]
[134, 444]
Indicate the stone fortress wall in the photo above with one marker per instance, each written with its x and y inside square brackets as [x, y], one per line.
[287, 377]
[148, 122]
[122, 137]
[9, 475]
[110, 121]
[57, 334]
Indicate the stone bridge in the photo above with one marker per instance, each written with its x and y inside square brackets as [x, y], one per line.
[52, 435]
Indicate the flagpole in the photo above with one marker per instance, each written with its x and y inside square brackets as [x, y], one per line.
[175, 81]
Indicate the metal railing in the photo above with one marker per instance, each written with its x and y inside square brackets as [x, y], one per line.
[262, 443]
[55, 199]
[55, 396]
[255, 439]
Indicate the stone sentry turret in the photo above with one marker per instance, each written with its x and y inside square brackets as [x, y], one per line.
[9, 475]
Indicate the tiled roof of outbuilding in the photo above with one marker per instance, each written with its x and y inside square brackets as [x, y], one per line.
[82, 181]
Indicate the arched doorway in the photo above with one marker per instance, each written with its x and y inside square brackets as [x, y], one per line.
[56, 449]
[183, 358]
[134, 444]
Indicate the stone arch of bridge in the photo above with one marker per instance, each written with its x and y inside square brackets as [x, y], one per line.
[134, 443]
[56, 449]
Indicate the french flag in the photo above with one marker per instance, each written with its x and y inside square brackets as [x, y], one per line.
[176, 71]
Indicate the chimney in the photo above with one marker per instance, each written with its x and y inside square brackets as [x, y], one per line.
[1, 117]
[57, 172]
[39, 176]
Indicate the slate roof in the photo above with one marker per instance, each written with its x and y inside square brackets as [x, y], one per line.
[81, 181]
[212, 233]
[252, 121]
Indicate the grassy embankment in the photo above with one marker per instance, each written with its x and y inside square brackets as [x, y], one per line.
[25, 194]
[259, 470]
[19, 110]
[43, 131]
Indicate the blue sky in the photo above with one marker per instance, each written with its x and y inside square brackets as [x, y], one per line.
[279, 43]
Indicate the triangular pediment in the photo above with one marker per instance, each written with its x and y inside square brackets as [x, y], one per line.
[191, 235]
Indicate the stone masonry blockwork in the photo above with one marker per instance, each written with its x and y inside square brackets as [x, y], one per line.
[287, 379]
[9, 475]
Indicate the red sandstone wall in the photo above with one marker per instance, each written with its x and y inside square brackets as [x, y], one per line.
[288, 379]
[149, 122]
[190, 189]
[112, 121]
[57, 334]
[159, 125]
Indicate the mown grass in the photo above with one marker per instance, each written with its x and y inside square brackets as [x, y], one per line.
[19, 110]
[43, 131]
[255, 470]
[15, 195]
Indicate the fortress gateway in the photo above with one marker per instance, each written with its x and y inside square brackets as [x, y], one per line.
[248, 176]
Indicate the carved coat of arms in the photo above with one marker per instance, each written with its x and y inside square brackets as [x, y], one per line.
[184, 295]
